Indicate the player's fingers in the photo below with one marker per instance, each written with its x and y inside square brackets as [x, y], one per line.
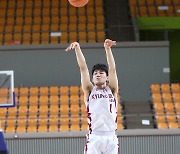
[67, 49]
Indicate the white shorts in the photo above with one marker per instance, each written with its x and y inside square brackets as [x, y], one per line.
[101, 144]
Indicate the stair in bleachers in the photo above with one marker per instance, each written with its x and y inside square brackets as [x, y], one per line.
[118, 21]
[137, 111]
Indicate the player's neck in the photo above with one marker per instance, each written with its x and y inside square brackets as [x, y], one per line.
[101, 86]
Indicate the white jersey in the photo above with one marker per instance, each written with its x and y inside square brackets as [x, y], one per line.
[102, 110]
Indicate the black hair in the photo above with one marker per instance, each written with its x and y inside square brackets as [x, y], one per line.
[101, 67]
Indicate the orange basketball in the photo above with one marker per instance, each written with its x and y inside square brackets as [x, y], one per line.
[78, 3]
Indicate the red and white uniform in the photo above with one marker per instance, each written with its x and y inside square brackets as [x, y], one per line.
[102, 120]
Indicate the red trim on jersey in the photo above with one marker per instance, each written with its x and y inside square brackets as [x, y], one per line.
[90, 119]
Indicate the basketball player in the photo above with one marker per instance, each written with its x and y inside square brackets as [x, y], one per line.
[100, 97]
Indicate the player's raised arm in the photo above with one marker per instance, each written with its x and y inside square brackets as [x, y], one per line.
[113, 80]
[85, 78]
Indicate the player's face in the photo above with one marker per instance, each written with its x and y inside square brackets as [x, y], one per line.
[99, 77]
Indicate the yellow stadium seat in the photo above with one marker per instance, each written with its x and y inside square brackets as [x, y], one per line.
[43, 111]
[74, 99]
[177, 107]
[169, 106]
[37, 12]
[74, 124]
[64, 110]
[33, 111]
[64, 90]
[156, 97]
[46, 20]
[155, 88]
[91, 26]
[42, 125]
[159, 108]
[74, 110]
[99, 10]
[55, 20]
[9, 29]
[143, 11]
[175, 87]
[160, 118]
[171, 118]
[37, 20]
[72, 11]
[21, 126]
[64, 124]
[83, 110]
[165, 88]
[54, 111]
[176, 97]
[74, 90]
[54, 90]
[32, 125]
[84, 125]
[4, 92]
[44, 91]
[81, 11]
[53, 125]
[28, 12]
[166, 97]
[91, 36]
[46, 11]
[100, 27]
[54, 100]
[29, 5]
[73, 19]
[173, 125]
[72, 27]
[23, 100]
[3, 21]
[2, 12]
[36, 38]
[64, 99]
[20, 4]
[26, 38]
[8, 38]
[12, 112]
[82, 37]
[17, 28]
[22, 112]
[45, 38]
[162, 126]
[33, 100]
[2, 124]
[11, 126]
[36, 28]
[28, 21]
[100, 36]
[43, 100]
[120, 126]
[3, 112]
[46, 4]
[82, 20]
[152, 11]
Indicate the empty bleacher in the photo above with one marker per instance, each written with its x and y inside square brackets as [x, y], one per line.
[50, 22]
[165, 100]
[154, 8]
[48, 109]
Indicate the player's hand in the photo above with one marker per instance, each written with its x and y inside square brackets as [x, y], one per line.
[109, 43]
[73, 45]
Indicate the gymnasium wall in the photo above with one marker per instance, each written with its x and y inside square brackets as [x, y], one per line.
[172, 26]
[139, 64]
